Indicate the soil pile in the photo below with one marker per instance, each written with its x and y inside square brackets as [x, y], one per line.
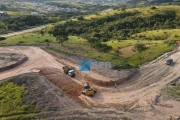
[11, 60]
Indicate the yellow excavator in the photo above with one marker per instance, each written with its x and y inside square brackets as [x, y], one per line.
[88, 90]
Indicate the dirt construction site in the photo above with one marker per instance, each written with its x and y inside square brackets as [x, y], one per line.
[139, 94]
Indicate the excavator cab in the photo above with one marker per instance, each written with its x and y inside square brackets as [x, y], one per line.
[88, 91]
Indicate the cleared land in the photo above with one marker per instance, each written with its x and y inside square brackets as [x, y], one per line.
[10, 60]
[138, 94]
[147, 95]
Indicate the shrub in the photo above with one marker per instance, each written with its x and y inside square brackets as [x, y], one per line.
[124, 66]
[176, 36]
[170, 42]
[153, 8]
[140, 47]
[21, 42]
[102, 47]
[2, 38]
[47, 40]
[81, 18]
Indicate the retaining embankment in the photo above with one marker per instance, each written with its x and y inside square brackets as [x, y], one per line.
[20, 61]
[108, 80]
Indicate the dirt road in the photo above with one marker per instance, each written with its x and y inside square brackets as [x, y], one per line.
[134, 93]
[23, 31]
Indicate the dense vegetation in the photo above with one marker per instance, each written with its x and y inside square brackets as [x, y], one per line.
[151, 2]
[11, 102]
[121, 26]
[126, 38]
[125, 25]
[20, 21]
[81, 9]
[23, 22]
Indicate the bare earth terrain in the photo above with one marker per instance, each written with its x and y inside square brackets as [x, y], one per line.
[137, 98]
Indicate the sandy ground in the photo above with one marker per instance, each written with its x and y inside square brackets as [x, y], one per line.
[139, 93]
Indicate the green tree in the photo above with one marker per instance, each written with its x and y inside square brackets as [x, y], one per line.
[47, 41]
[140, 47]
[60, 34]
[81, 18]
[93, 40]
[170, 42]
[42, 32]
[3, 7]
[123, 8]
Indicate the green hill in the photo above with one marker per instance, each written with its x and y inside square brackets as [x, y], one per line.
[151, 2]
[124, 37]
[126, 25]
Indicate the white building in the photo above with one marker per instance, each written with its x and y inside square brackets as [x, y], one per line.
[34, 13]
[3, 13]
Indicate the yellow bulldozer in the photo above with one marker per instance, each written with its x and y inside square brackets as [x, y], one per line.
[88, 90]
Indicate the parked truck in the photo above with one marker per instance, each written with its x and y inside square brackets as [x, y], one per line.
[68, 71]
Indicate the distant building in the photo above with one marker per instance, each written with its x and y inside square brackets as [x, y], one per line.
[3, 13]
[50, 8]
[68, 9]
[34, 13]
[74, 9]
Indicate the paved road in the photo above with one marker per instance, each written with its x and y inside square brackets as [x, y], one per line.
[23, 31]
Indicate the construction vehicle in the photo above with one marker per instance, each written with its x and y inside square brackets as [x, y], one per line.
[169, 61]
[88, 90]
[68, 71]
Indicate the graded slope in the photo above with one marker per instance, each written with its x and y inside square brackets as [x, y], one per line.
[134, 94]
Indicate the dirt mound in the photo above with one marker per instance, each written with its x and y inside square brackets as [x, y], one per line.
[11, 60]
[41, 93]
[64, 82]
[53, 103]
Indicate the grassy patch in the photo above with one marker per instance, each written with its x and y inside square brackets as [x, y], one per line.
[11, 103]
[79, 46]
[27, 38]
[150, 54]
[37, 38]
[154, 40]
[79, 49]
[76, 40]
[12, 13]
[159, 34]
[125, 43]
[146, 11]
[115, 59]
[155, 49]
[174, 91]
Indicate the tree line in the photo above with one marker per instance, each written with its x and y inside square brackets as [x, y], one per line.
[119, 26]
[23, 22]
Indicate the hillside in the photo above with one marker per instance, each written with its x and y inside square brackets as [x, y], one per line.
[52, 94]
[106, 33]
[137, 41]
[123, 37]
[151, 2]
[124, 24]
